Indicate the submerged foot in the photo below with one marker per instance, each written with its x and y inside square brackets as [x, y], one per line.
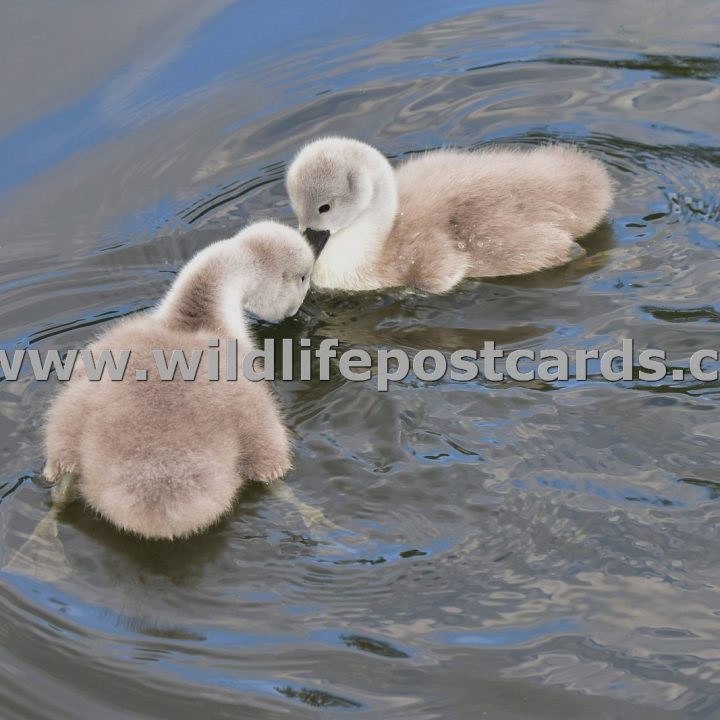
[312, 516]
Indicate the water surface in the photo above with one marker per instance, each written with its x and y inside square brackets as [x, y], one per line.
[509, 550]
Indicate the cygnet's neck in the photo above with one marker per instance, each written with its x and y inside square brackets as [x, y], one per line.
[349, 257]
[207, 295]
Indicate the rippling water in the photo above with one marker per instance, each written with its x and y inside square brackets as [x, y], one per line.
[537, 550]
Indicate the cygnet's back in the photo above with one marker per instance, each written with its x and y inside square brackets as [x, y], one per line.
[489, 213]
[165, 458]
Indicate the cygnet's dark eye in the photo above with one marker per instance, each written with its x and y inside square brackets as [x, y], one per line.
[324, 208]
[302, 278]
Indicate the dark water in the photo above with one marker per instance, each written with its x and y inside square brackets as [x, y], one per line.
[504, 550]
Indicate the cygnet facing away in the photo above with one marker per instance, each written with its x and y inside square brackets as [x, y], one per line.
[164, 459]
[443, 215]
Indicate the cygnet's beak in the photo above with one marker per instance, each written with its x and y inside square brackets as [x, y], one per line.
[317, 239]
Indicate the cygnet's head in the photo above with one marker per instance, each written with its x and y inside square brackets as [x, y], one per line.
[331, 183]
[277, 264]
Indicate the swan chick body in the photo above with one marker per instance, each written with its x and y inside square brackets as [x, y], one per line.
[443, 215]
[164, 459]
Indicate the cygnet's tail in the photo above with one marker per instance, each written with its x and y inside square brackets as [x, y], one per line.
[583, 185]
[172, 498]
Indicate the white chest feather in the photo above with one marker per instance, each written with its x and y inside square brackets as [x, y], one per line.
[347, 261]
